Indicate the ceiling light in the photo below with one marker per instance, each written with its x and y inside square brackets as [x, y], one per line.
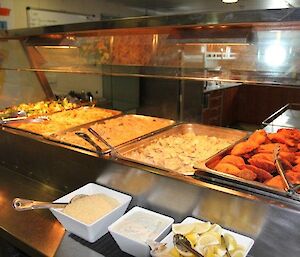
[229, 1]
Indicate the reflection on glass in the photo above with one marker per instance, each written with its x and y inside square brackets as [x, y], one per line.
[275, 55]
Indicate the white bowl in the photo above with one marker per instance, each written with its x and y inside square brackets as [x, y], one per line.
[134, 243]
[91, 232]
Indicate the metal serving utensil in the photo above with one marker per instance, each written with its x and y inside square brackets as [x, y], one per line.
[20, 204]
[114, 152]
[184, 245]
[280, 169]
[87, 138]
[24, 118]
[290, 188]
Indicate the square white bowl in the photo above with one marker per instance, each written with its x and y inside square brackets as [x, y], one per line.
[135, 246]
[242, 240]
[91, 232]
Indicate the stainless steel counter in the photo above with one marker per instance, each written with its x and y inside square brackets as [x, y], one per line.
[271, 223]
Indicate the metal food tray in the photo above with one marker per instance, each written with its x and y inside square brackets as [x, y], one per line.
[105, 149]
[286, 117]
[198, 129]
[9, 120]
[10, 124]
[206, 166]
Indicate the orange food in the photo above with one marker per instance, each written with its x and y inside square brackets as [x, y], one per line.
[233, 170]
[235, 160]
[293, 177]
[280, 138]
[262, 164]
[227, 168]
[264, 156]
[253, 159]
[262, 175]
[247, 174]
[269, 148]
[275, 182]
[258, 137]
[296, 168]
[243, 148]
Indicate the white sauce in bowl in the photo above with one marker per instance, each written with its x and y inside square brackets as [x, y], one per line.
[141, 226]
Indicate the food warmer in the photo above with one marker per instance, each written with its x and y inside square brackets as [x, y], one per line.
[110, 59]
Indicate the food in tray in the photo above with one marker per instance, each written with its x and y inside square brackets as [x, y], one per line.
[39, 108]
[210, 240]
[117, 130]
[90, 208]
[253, 159]
[179, 152]
[64, 120]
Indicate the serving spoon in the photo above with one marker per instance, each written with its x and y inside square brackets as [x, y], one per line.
[20, 204]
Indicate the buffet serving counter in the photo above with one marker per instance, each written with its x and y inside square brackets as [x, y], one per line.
[187, 49]
[41, 170]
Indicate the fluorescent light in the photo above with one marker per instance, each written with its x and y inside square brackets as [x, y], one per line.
[229, 1]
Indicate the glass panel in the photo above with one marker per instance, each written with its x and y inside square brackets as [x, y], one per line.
[250, 53]
[236, 53]
[13, 55]
[18, 87]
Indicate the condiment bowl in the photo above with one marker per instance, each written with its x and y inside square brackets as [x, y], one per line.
[92, 232]
[137, 226]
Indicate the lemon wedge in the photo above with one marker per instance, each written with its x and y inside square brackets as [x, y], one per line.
[201, 227]
[192, 237]
[230, 242]
[209, 238]
[174, 253]
[216, 228]
[237, 253]
[183, 229]
[214, 251]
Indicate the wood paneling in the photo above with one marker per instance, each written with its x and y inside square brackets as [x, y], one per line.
[256, 103]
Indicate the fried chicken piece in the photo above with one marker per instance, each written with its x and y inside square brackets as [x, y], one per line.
[269, 148]
[247, 156]
[233, 170]
[258, 137]
[243, 148]
[227, 168]
[296, 168]
[247, 174]
[291, 133]
[265, 156]
[288, 156]
[293, 177]
[269, 157]
[262, 175]
[275, 182]
[297, 160]
[235, 160]
[262, 164]
[281, 138]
